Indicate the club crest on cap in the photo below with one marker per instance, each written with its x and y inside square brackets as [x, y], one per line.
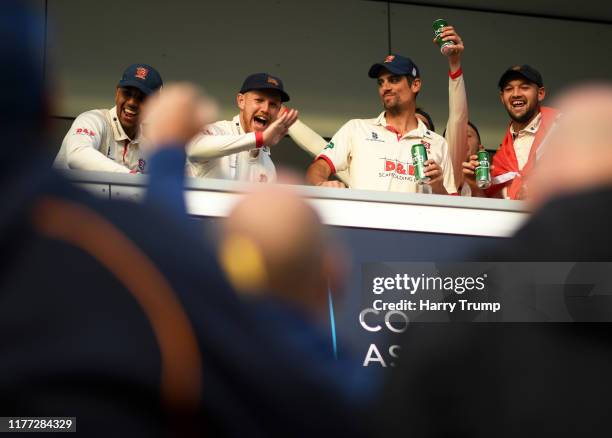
[141, 73]
[272, 81]
[389, 58]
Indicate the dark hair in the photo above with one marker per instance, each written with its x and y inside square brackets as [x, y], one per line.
[475, 129]
[410, 80]
[430, 122]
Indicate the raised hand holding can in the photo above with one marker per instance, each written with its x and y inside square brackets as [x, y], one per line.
[438, 25]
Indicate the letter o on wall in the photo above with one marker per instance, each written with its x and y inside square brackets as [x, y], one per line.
[367, 327]
[390, 326]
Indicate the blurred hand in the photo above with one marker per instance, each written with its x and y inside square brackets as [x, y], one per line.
[278, 129]
[175, 114]
[436, 178]
[333, 184]
[523, 192]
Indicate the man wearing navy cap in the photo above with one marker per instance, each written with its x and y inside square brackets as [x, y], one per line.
[377, 152]
[521, 90]
[239, 149]
[110, 139]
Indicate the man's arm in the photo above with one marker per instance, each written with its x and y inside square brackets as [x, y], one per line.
[81, 145]
[308, 139]
[207, 146]
[457, 124]
[333, 158]
[318, 174]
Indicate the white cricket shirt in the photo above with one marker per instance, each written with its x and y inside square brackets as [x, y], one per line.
[377, 158]
[96, 141]
[225, 151]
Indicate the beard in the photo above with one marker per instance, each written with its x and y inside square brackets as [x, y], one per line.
[529, 114]
[392, 107]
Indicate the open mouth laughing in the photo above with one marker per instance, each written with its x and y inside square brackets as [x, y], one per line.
[260, 122]
[129, 114]
[518, 104]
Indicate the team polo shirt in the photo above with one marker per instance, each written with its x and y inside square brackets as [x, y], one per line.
[96, 141]
[379, 158]
[225, 151]
[524, 139]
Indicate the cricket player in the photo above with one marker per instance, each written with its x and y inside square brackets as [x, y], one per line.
[522, 93]
[239, 149]
[110, 139]
[377, 152]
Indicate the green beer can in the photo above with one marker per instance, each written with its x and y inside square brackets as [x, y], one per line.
[419, 156]
[445, 46]
[483, 170]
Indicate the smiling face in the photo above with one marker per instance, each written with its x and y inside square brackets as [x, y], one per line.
[521, 99]
[258, 108]
[129, 104]
[395, 91]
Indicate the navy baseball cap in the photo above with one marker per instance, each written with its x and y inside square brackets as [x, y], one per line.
[396, 64]
[141, 76]
[264, 81]
[521, 71]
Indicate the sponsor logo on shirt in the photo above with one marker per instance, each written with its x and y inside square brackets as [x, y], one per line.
[427, 145]
[374, 137]
[330, 145]
[397, 169]
[141, 73]
[85, 131]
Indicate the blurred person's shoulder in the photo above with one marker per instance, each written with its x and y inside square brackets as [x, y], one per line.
[526, 358]
[573, 227]
[149, 226]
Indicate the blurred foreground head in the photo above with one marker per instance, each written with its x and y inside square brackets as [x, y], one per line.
[23, 101]
[577, 155]
[274, 242]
